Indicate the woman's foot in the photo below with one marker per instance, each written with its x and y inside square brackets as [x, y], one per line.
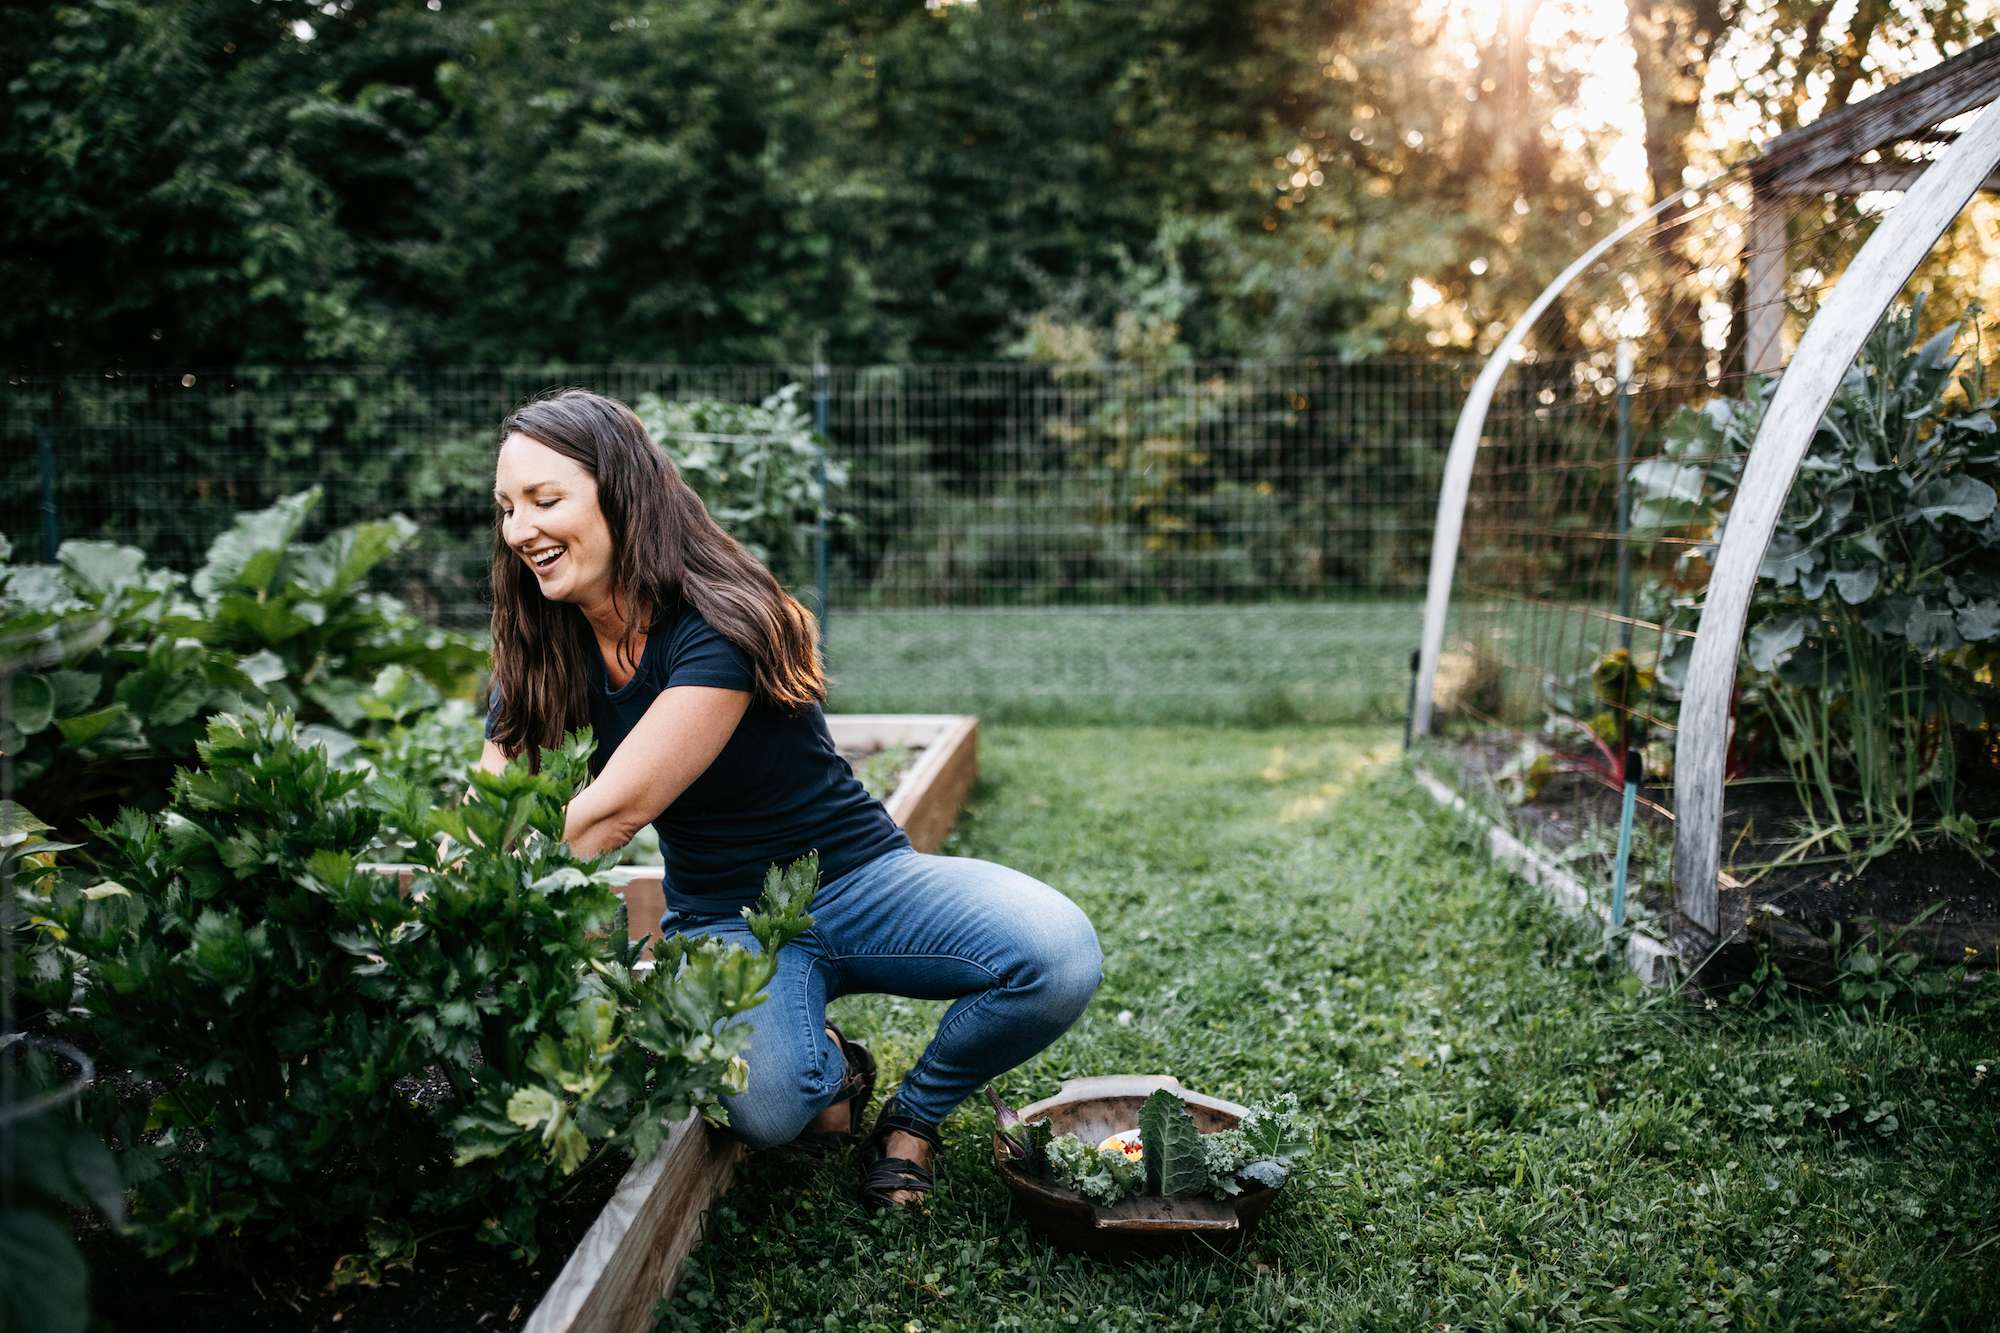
[897, 1160]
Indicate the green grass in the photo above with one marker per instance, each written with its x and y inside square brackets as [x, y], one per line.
[1511, 1134]
[1260, 664]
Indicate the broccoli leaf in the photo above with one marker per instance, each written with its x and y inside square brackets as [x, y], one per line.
[1276, 1131]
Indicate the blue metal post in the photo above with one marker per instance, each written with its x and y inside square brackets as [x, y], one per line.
[1626, 812]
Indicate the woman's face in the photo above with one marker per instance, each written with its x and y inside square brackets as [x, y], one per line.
[549, 518]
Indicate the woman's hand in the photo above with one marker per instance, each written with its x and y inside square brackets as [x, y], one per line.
[674, 743]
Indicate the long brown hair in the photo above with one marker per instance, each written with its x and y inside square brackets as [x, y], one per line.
[664, 549]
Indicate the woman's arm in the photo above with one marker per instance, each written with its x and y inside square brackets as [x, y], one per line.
[674, 743]
[493, 759]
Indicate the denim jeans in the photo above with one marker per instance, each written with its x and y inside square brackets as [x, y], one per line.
[1017, 959]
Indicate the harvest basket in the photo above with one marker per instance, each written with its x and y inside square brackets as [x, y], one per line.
[1091, 1109]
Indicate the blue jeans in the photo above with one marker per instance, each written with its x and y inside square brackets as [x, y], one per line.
[1017, 959]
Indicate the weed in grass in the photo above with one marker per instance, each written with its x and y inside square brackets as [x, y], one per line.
[1510, 1133]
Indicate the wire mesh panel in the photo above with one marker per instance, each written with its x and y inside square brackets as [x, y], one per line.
[1607, 467]
[1175, 541]
[1225, 539]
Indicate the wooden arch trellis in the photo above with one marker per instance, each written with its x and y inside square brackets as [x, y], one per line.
[1796, 163]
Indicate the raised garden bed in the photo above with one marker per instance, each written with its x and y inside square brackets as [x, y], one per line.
[1652, 961]
[1939, 900]
[925, 796]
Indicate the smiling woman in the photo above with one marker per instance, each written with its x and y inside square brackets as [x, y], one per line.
[619, 604]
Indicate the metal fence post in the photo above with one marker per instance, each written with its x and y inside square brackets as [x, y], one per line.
[45, 462]
[820, 416]
[45, 465]
[1625, 356]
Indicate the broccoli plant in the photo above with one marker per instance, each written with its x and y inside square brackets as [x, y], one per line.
[1874, 632]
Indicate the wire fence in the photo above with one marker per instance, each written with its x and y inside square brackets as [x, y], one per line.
[1207, 540]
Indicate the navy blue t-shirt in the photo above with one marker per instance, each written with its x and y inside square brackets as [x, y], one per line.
[778, 790]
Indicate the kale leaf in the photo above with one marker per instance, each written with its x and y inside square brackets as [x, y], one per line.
[1176, 1165]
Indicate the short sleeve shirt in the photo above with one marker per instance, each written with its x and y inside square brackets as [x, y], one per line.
[778, 790]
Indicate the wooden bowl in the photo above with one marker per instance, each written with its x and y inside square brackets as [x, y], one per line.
[1094, 1108]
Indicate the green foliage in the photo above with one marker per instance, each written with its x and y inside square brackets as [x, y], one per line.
[407, 731]
[1261, 1148]
[1103, 1175]
[349, 186]
[44, 970]
[223, 976]
[318, 1048]
[50, 1170]
[114, 667]
[881, 771]
[1874, 630]
[758, 468]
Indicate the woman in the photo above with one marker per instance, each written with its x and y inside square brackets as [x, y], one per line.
[619, 604]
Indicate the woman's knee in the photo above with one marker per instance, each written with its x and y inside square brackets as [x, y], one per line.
[1069, 965]
[769, 1118]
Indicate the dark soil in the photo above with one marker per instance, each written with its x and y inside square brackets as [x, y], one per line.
[250, 1284]
[1938, 898]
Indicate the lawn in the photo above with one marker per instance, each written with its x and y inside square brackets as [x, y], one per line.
[1258, 663]
[1510, 1132]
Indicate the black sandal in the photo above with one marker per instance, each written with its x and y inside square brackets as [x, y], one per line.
[882, 1175]
[857, 1089]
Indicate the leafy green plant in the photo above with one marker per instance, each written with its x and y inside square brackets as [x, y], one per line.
[308, 1045]
[1103, 1175]
[114, 666]
[1875, 627]
[39, 899]
[50, 1168]
[758, 468]
[407, 730]
[522, 986]
[880, 771]
[1261, 1148]
[1175, 1164]
[217, 977]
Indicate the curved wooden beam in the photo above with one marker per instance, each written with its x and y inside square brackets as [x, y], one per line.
[1829, 347]
[1465, 448]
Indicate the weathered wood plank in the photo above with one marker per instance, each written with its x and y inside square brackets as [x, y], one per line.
[1904, 110]
[631, 1257]
[1764, 302]
[928, 799]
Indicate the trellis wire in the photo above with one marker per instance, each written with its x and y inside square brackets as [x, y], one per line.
[1202, 539]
